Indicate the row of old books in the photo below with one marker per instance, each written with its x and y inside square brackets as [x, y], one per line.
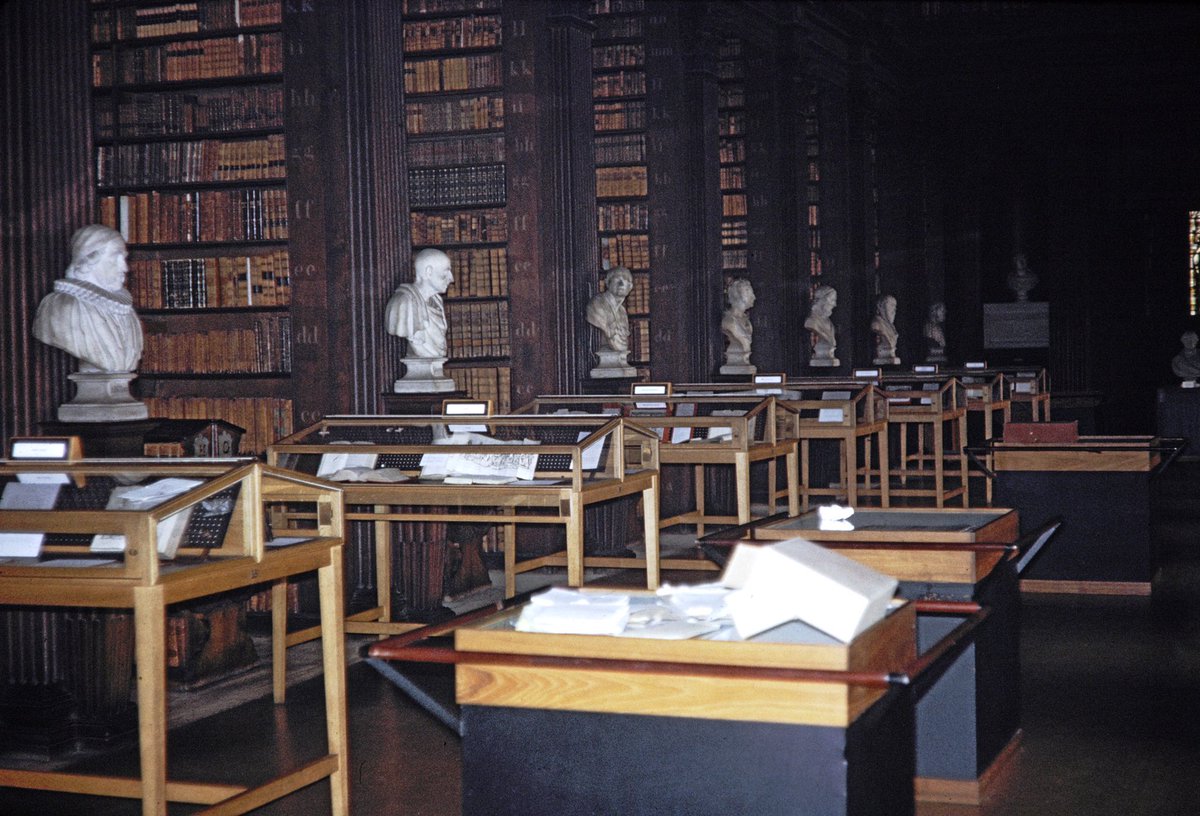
[190, 162]
[733, 177]
[464, 186]
[449, 6]
[453, 73]
[265, 419]
[485, 383]
[624, 215]
[733, 204]
[470, 227]
[615, 26]
[731, 123]
[629, 250]
[618, 55]
[616, 7]
[622, 83]
[479, 272]
[731, 95]
[249, 214]
[472, 31]
[192, 112]
[732, 150]
[173, 19]
[487, 148]
[626, 114]
[461, 113]
[620, 148]
[210, 282]
[263, 348]
[190, 60]
[621, 182]
[477, 329]
[734, 233]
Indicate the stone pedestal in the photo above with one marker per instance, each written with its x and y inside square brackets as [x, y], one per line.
[824, 362]
[423, 375]
[882, 361]
[613, 364]
[102, 396]
[738, 362]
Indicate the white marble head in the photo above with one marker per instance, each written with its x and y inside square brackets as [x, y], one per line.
[98, 256]
[740, 294]
[432, 270]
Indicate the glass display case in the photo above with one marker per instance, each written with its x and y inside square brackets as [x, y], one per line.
[142, 534]
[508, 471]
[698, 430]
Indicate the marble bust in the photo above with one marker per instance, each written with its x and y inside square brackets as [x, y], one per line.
[90, 315]
[935, 333]
[606, 312]
[415, 312]
[883, 324]
[1186, 364]
[820, 323]
[737, 328]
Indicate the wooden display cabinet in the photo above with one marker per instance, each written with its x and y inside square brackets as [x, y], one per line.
[145, 534]
[929, 417]
[574, 462]
[698, 430]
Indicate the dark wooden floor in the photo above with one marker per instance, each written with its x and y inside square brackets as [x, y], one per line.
[1111, 716]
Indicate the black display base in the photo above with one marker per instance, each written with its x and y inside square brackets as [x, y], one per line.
[418, 404]
[580, 764]
[104, 440]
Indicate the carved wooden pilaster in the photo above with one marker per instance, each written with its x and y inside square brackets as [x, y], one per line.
[551, 193]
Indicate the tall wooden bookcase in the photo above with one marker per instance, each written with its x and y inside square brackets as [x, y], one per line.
[455, 151]
[622, 208]
[250, 152]
[188, 108]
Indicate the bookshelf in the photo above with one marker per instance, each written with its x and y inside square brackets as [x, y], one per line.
[456, 166]
[731, 111]
[188, 127]
[622, 172]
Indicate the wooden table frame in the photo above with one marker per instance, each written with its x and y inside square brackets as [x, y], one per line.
[141, 583]
[763, 432]
[630, 469]
[937, 409]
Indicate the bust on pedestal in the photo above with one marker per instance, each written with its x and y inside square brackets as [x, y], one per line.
[1186, 364]
[736, 326]
[606, 311]
[90, 316]
[935, 333]
[415, 312]
[820, 323]
[884, 327]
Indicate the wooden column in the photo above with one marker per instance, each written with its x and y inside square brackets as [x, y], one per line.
[347, 229]
[46, 193]
[684, 193]
[551, 193]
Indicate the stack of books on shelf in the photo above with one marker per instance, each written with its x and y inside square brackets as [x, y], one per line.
[477, 329]
[475, 227]
[481, 272]
[263, 348]
[462, 113]
[485, 383]
[209, 216]
[209, 283]
[463, 186]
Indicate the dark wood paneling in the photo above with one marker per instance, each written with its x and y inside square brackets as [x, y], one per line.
[46, 184]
